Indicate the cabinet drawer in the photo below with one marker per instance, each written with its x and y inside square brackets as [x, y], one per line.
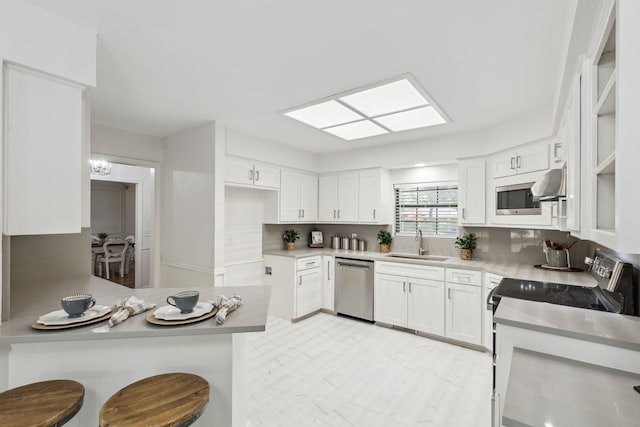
[492, 280]
[466, 277]
[308, 262]
[411, 270]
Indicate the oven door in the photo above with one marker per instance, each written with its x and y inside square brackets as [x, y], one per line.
[516, 200]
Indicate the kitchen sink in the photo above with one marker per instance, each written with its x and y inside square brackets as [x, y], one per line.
[420, 257]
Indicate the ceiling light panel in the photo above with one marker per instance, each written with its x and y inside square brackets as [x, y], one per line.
[412, 119]
[357, 130]
[326, 114]
[385, 99]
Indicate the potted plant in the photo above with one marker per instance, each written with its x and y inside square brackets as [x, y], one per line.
[102, 237]
[290, 236]
[384, 238]
[467, 244]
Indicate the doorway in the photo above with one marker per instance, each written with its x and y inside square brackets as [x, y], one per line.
[122, 207]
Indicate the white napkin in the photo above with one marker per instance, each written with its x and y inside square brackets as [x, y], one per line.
[225, 306]
[130, 307]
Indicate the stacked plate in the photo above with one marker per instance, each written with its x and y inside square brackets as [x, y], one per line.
[60, 317]
[169, 312]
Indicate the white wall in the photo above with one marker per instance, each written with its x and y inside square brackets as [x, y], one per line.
[188, 208]
[113, 207]
[438, 173]
[122, 143]
[446, 149]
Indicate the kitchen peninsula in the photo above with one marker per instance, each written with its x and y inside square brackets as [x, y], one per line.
[106, 359]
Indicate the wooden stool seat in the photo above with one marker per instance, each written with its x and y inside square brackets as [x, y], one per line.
[42, 404]
[167, 400]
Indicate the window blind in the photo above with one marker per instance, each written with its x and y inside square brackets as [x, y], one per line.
[430, 208]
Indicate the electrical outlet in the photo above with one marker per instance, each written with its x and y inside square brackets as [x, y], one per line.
[267, 271]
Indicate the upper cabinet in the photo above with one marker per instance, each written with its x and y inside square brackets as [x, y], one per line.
[298, 197]
[43, 153]
[249, 173]
[472, 192]
[374, 196]
[528, 158]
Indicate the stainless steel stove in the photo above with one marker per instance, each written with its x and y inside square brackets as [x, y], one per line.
[615, 291]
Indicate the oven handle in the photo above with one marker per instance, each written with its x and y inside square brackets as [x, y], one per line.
[490, 305]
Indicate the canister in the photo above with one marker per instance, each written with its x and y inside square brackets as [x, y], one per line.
[335, 242]
[362, 245]
[345, 243]
[354, 244]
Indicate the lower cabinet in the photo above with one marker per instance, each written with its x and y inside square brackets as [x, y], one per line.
[308, 292]
[464, 306]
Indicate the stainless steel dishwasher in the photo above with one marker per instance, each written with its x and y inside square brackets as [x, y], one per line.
[354, 288]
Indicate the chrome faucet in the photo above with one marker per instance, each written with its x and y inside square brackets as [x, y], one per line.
[421, 250]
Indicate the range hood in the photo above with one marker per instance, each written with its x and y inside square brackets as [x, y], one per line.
[550, 186]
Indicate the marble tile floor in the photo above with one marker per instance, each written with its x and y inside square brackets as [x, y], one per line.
[334, 371]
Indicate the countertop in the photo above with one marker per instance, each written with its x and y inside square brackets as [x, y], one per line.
[549, 390]
[591, 325]
[34, 301]
[506, 269]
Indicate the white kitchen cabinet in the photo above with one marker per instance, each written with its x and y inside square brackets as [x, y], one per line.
[527, 158]
[410, 296]
[472, 192]
[338, 198]
[298, 197]
[464, 305]
[43, 153]
[491, 280]
[250, 173]
[328, 300]
[374, 196]
[297, 287]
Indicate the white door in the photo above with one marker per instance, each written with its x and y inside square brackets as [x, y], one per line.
[290, 197]
[348, 197]
[369, 197]
[328, 198]
[309, 197]
[426, 305]
[472, 192]
[266, 176]
[329, 284]
[463, 313]
[309, 292]
[390, 302]
[238, 171]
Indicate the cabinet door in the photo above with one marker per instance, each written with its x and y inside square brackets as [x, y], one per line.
[43, 154]
[533, 158]
[463, 313]
[472, 191]
[348, 197]
[328, 198]
[266, 176]
[426, 305]
[239, 171]
[504, 164]
[309, 197]
[329, 284]
[390, 302]
[308, 292]
[369, 196]
[290, 197]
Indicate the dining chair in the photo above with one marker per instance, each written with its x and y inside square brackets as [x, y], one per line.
[112, 256]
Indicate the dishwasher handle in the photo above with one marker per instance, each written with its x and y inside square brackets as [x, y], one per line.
[348, 264]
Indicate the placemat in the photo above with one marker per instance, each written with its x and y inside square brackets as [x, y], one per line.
[152, 319]
[36, 325]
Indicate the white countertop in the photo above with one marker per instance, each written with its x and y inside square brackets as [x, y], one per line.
[590, 325]
[550, 390]
[506, 269]
[34, 301]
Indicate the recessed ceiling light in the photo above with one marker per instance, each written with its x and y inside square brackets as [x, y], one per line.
[356, 130]
[412, 119]
[385, 99]
[326, 114]
[391, 106]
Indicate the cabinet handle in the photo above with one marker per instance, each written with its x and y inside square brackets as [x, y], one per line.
[300, 281]
[518, 162]
[464, 277]
[374, 214]
[409, 286]
[555, 151]
[338, 213]
[448, 292]
[257, 175]
[328, 271]
[334, 213]
[404, 286]
[298, 213]
[463, 213]
[553, 210]
[250, 174]
[302, 212]
[512, 160]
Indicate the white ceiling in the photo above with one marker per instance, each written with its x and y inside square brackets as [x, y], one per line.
[167, 65]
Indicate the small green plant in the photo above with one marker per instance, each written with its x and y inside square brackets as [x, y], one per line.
[290, 235]
[384, 237]
[468, 241]
[102, 235]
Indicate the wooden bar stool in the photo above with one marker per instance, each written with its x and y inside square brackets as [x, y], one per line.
[166, 400]
[42, 404]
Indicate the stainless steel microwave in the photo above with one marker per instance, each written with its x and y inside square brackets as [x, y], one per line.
[516, 200]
